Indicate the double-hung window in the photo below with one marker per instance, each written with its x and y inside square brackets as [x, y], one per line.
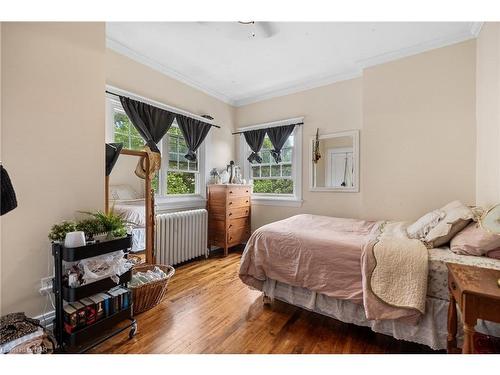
[275, 183]
[178, 176]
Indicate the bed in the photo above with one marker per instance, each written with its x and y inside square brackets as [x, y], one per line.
[128, 203]
[319, 263]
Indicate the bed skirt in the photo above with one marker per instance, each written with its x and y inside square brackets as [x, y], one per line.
[431, 330]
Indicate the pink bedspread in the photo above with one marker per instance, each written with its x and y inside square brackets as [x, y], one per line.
[320, 253]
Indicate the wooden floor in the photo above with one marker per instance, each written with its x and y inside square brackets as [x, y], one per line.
[209, 310]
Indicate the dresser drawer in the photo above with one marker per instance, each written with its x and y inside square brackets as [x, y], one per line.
[235, 213]
[242, 222]
[235, 190]
[238, 235]
[238, 201]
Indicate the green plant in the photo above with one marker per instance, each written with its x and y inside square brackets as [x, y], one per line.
[90, 227]
[58, 231]
[110, 222]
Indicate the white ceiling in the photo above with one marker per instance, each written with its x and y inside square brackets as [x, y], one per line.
[226, 61]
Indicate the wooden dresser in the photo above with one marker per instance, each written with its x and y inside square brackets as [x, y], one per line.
[229, 213]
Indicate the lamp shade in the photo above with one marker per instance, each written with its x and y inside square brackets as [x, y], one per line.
[490, 220]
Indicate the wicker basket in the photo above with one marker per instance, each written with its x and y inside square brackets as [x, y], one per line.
[149, 295]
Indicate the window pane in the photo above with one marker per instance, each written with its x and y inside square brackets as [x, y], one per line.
[182, 147]
[136, 143]
[183, 164]
[266, 157]
[275, 170]
[273, 186]
[265, 171]
[181, 183]
[286, 155]
[172, 160]
[122, 138]
[122, 123]
[267, 145]
[193, 166]
[255, 171]
[172, 144]
[286, 170]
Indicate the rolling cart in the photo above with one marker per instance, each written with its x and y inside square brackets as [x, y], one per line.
[86, 338]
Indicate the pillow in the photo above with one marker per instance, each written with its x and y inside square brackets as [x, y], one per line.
[123, 192]
[457, 217]
[495, 254]
[474, 240]
[422, 226]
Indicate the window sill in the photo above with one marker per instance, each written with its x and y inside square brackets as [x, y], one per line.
[180, 203]
[277, 201]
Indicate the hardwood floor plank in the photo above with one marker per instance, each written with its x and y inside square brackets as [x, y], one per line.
[207, 309]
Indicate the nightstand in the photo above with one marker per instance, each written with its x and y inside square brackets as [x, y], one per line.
[476, 292]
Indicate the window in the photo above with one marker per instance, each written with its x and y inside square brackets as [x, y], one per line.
[275, 183]
[182, 174]
[178, 176]
[269, 177]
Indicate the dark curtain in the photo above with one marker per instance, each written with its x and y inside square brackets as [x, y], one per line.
[112, 153]
[194, 132]
[255, 139]
[151, 122]
[8, 195]
[278, 136]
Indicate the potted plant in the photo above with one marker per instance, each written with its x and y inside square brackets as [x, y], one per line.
[110, 223]
[91, 227]
[58, 231]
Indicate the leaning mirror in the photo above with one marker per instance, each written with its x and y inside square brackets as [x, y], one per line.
[335, 162]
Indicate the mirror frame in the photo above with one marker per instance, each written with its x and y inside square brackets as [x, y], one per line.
[355, 146]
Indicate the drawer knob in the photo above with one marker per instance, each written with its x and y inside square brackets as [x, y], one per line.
[230, 213]
[246, 201]
[453, 285]
[230, 202]
[230, 192]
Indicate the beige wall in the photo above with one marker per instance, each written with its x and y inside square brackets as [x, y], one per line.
[488, 115]
[52, 143]
[418, 139]
[417, 122]
[139, 79]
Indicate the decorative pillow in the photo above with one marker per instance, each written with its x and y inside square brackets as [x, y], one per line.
[457, 217]
[123, 192]
[422, 226]
[474, 240]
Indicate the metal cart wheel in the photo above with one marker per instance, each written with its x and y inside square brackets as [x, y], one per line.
[133, 331]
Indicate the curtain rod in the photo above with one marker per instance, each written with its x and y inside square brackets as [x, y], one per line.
[118, 95]
[243, 131]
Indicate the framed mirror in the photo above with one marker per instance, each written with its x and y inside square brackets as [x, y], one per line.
[334, 162]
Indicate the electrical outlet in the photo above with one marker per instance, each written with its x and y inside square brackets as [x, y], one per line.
[46, 285]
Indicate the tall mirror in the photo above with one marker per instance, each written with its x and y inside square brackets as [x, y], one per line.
[335, 162]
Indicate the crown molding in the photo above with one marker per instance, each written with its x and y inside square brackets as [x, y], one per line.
[313, 82]
[415, 50]
[475, 28]
[298, 87]
[123, 50]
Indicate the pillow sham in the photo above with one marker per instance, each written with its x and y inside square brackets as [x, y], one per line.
[474, 240]
[457, 217]
[419, 229]
[123, 192]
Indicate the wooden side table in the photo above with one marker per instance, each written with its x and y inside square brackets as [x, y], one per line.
[477, 294]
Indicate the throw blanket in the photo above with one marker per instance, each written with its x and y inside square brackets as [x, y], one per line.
[394, 269]
[340, 258]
